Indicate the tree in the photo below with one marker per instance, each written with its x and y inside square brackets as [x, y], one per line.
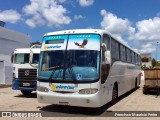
[154, 62]
[144, 59]
[36, 42]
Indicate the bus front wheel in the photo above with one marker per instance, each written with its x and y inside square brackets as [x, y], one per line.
[136, 86]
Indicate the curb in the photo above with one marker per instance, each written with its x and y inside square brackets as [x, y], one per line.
[4, 86]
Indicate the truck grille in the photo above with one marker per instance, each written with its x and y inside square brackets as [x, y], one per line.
[27, 74]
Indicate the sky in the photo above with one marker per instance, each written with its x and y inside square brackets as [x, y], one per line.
[134, 22]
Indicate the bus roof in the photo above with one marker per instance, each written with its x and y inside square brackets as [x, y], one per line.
[26, 50]
[75, 31]
[85, 31]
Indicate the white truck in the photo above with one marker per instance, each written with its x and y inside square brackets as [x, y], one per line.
[25, 75]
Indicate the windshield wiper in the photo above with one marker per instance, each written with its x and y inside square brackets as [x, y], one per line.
[54, 69]
[70, 70]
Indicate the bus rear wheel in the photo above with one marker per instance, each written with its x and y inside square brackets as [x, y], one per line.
[26, 92]
[136, 86]
[114, 94]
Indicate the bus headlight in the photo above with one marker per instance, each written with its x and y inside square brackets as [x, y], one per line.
[88, 91]
[42, 89]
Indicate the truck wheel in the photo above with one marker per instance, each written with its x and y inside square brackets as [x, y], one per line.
[26, 92]
[114, 94]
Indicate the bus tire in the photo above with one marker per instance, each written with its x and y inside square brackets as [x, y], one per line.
[115, 93]
[26, 92]
[136, 84]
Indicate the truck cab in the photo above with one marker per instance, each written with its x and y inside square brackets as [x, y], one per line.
[25, 75]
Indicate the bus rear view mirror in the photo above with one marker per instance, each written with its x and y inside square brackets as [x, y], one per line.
[106, 56]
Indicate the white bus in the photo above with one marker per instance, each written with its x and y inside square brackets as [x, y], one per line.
[24, 75]
[86, 67]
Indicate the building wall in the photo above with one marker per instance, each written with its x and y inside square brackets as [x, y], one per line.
[7, 69]
[10, 40]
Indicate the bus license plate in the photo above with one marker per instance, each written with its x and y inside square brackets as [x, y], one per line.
[64, 103]
[26, 84]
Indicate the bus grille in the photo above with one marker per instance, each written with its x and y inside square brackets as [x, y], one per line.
[27, 74]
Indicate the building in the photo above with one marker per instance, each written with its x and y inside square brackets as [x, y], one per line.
[146, 59]
[9, 40]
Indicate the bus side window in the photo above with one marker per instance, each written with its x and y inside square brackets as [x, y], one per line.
[106, 40]
[105, 67]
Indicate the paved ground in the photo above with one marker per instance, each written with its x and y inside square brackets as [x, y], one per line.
[133, 101]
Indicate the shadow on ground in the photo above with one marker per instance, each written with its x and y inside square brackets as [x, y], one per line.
[153, 92]
[71, 111]
[33, 95]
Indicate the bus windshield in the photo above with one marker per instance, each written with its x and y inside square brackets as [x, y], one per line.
[70, 58]
[77, 65]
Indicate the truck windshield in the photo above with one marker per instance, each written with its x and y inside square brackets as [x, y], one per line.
[35, 59]
[21, 58]
[67, 58]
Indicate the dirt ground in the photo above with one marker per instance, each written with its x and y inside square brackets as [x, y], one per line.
[11, 100]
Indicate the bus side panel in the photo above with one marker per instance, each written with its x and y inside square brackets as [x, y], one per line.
[125, 75]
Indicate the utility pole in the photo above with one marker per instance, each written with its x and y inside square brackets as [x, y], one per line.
[157, 70]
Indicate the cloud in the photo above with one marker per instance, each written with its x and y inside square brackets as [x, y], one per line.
[61, 1]
[158, 14]
[144, 30]
[147, 30]
[147, 48]
[85, 3]
[142, 37]
[10, 16]
[77, 17]
[47, 12]
[119, 37]
[147, 34]
[35, 20]
[116, 25]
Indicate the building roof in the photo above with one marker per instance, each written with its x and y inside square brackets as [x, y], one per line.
[11, 35]
[27, 50]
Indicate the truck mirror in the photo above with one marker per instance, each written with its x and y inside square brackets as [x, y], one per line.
[31, 55]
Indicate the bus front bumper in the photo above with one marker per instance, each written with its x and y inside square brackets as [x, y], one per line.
[18, 85]
[71, 99]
